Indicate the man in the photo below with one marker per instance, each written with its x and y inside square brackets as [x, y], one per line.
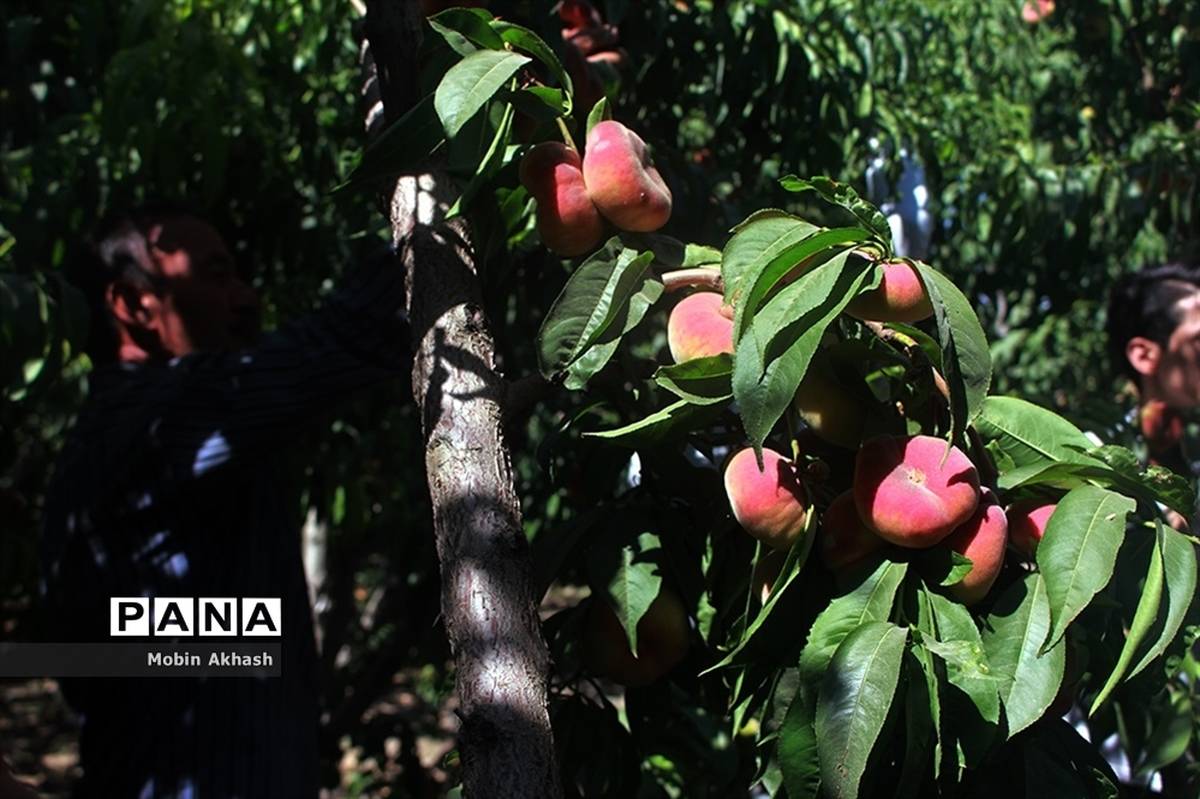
[1154, 340]
[174, 483]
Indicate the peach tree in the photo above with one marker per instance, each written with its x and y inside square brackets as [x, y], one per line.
[817, 557]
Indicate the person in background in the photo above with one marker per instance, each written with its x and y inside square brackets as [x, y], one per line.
[175, 481]
[1154, 340]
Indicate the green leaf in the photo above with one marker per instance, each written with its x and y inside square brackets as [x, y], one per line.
[1143, 619]
[1179, 573]
[701, 381]
[921, 711]
[757, 630]
[629, 577]
[797, 747]
[1012, 637]
[765, 273]
[844, 196]
[488, 166]
[1079, 551]
[470, 83]
[960, 645]
[1029, 434]
[943, 566]
[400, 148]
[466, 30]
[765, 377]
[524, 39]
[538, 102]
[600, 112]
[966, 360]
[598, 294]
[853, 703]
[869, 600]
[676, 420]
[757, 240]
[698, 255]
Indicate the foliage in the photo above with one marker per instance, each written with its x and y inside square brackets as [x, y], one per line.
[1058, 156]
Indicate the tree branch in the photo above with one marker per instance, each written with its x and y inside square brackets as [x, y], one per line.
[487, 588]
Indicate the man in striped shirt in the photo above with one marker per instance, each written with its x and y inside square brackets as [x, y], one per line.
[174, 482]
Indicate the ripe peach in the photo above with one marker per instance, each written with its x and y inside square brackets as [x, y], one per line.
[622, 181]
[982, 538]
[662, 640]
[906, 493]
[828, 409]
[900, 297]
[567, 220]
[845, 540]
[771, 504]
[697, 328]
[1027, 520]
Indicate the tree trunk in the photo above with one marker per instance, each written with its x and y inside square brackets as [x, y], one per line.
[487, 589]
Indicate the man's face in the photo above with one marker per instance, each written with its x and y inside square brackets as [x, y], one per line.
[204, 304]
[1178, 373]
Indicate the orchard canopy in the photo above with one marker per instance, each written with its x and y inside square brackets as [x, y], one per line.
[776, 327]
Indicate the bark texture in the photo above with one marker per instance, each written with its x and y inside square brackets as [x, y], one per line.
[488, 604]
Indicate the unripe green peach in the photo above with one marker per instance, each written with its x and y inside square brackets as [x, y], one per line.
[982, 538]
[662, 640]
[1027, 521]
[826, 407]
[567, 220]
[697, 328]
[622, 181]
[900, 297]
[845, 541]
[770, 504]
[911, 491]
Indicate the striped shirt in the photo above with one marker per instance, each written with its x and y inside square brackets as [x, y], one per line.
[174, 482]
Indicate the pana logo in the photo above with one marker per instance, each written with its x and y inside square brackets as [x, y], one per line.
[130, 616]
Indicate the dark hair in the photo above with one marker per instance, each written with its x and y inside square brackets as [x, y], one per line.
[117, 251]
[1145, 304]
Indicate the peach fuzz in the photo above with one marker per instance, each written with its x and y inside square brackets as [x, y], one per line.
[845, 540]
[771, 504]
[900, 297]
[908, 495]
[662, 640]
[697, 327]
[567, 221]
[982, 538]
[1027, 520]
[622, 181]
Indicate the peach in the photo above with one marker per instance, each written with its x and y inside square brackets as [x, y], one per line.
[1027, 520]
[845, 540]
[567, 221]
[828, 409]
[697, 327]
[771, 504]
[982, 538]
[622, 181]
[908, 495]
[662, 640]
[900, 297]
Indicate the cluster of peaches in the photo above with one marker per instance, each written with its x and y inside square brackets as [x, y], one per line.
[911, 491]
[613, 182]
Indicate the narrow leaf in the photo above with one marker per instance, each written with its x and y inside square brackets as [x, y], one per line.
[1013, 634]
[852, 706]
[1179, 573]
[1079, 551]
[869, 600]
[470, 83]
[1143, 618]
